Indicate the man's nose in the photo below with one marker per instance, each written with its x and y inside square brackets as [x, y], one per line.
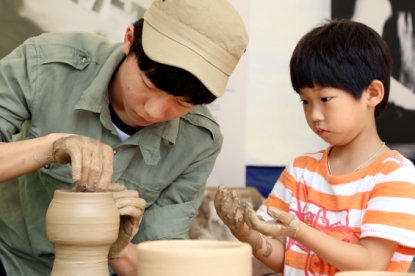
[157, 107]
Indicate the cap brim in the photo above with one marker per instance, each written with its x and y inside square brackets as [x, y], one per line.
[163, 49]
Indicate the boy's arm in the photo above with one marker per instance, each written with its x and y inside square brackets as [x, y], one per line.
[371, 254]
[272, 252]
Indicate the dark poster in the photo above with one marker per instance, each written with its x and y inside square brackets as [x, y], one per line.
[393, 20]
[21, 19]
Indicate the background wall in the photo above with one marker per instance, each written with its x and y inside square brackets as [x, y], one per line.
[260, 114]
[276, 128]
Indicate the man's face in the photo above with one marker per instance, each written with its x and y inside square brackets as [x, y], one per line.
[138, 102]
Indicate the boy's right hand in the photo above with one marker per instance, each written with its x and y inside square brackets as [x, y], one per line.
[283, 223]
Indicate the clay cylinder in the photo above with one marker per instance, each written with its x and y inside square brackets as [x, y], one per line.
[82, 227]
[194, 257]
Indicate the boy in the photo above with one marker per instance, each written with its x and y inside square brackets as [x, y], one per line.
[98, 113]
[351, 206]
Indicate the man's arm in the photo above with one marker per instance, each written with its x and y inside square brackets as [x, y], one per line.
[126, 264]
[90, 159]
[21, 157]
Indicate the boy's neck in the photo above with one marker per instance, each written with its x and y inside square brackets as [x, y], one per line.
[354, 156]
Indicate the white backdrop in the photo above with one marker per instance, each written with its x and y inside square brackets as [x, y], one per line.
[230, 112]
[276, 127]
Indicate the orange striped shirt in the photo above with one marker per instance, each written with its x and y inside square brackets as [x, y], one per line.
[376, 201]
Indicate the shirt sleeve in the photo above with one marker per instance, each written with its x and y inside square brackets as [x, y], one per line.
[175, 210]
[390, 212]
[17, 81]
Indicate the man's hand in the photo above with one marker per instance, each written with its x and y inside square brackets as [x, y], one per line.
[284, 224]
[90, 159]
[131, 208]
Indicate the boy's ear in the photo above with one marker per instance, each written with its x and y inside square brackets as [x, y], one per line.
[128, 39]
[375, 93]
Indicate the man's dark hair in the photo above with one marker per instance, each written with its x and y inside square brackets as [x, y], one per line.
[173, 80]
[342, 54]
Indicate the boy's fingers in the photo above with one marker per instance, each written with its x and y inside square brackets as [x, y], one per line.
[281, 216]
[235, 202]
[289, 221]
[249, 215]
[218, 200]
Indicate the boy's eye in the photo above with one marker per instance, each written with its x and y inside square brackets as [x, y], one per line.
[326, 99]
[304, 101]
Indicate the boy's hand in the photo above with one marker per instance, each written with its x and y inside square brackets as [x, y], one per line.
[227, 207]
[91, 161]
[131, 208]
[284, 224]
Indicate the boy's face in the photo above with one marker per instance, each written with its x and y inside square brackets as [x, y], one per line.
[138, 102]
[335, 115]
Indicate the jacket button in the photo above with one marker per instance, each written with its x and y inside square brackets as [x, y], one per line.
[84, 59]
[115, 151]
[191, 215]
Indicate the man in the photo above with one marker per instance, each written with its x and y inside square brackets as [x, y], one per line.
[128, 118]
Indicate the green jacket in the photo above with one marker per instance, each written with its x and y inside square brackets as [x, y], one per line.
[57, 83]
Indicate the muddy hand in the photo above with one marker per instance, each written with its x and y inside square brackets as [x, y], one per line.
[227, 207]
[131, 208]
[90, 159]
[284, 224]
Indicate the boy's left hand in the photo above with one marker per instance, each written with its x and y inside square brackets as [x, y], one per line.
[284, 224]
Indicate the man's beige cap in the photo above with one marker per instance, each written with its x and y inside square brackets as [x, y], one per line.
[205, 37]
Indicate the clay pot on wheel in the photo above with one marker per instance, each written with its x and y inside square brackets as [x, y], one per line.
[82, 227]
[194, 257]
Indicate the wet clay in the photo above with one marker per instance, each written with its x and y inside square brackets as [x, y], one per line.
[284, 224]
[82, 227]
[194, 257]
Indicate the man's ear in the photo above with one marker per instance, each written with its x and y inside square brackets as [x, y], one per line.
[128, 39]
[375, 93]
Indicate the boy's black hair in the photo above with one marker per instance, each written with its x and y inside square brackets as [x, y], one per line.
[173, 80]
[342, 54]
